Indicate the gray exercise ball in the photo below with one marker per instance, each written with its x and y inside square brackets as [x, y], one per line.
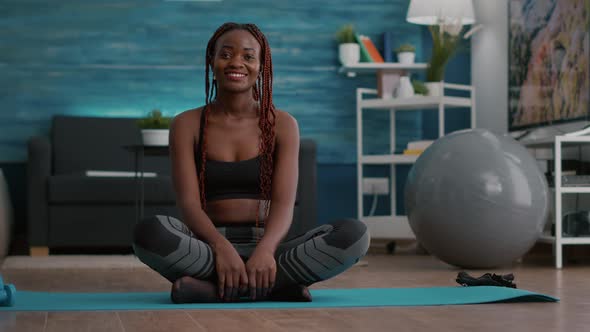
[476, 200]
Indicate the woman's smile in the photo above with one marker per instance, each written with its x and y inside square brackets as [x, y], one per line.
[235, 76]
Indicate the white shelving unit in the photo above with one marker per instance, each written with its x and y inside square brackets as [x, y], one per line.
[394, 226]
[372, 68]
[559, 240]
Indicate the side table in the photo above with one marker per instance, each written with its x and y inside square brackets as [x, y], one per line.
[139, 152]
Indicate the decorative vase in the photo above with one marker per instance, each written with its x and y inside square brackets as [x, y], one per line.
[349, 53]
[406, 58]
[155, 137]
[435, 89]
[405, 88]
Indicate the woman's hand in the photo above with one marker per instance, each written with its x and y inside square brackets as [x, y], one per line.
[231, 271]
[261, 268]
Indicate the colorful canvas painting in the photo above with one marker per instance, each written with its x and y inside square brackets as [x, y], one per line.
[549, 55]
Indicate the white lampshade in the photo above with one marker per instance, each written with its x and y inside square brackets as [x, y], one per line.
[430, 12]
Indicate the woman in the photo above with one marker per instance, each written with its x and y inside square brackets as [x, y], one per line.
[235, 172]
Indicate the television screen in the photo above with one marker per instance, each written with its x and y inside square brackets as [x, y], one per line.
[549, 54]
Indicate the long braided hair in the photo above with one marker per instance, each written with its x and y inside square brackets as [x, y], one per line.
[262, 92]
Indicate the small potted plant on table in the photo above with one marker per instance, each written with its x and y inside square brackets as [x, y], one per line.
[154, 128]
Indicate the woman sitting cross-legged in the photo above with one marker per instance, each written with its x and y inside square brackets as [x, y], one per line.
[235, 173]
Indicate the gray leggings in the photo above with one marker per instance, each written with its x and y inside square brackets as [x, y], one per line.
[167, 246]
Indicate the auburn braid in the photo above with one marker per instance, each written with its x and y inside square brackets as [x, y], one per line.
[262, 93]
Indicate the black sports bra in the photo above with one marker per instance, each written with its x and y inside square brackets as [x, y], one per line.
[227, 179]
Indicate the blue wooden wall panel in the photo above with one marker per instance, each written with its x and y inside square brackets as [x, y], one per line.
[124, 58]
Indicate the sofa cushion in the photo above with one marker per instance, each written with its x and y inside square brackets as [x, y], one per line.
[79, 188]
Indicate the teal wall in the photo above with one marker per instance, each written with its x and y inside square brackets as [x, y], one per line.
[124, 58]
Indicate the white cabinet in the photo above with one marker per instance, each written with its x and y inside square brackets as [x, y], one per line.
[559, 143]
[395, 226]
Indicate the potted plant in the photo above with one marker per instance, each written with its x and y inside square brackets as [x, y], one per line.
[446, 40]
[406, 54]
[349, 52]
[419, 87]
[154, 128]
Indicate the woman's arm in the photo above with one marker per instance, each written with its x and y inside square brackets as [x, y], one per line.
[185, 179]
[284, 182]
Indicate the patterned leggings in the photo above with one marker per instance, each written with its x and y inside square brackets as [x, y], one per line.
[167, 246]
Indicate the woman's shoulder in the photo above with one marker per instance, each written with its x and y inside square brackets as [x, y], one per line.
[286, 128]
[187, 120]
[284, 121]
[188, 115]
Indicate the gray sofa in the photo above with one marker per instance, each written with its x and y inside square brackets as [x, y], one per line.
[67, 209]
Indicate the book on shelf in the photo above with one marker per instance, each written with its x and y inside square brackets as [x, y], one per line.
[372, 49]
[365, 56]
[413, 152]
[415, 148]
[387, 47]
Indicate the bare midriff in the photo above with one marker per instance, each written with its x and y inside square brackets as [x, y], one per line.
[235, 211]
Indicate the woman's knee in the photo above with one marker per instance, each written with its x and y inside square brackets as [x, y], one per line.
[349, 234]
[153, 234]
[167, 246]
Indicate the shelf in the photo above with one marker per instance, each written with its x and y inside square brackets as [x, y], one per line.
[565, 240]
[548, 139]
[549, 142]
[574, 139]
[538, 143]
[572, 189]
[575, 190]
[380, 159]
[371, 67]
[416, 102]
[575, 240]
[388, 76]
[389, 227]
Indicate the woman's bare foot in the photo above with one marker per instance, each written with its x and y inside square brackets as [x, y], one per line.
[190, 290]
[291, 293]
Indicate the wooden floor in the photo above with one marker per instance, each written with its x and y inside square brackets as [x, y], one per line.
[571, 285]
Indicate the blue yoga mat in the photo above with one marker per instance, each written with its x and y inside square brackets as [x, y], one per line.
[322, 298]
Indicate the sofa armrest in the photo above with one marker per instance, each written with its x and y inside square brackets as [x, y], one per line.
[38, 171]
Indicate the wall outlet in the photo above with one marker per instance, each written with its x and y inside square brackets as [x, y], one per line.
[379, 186]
